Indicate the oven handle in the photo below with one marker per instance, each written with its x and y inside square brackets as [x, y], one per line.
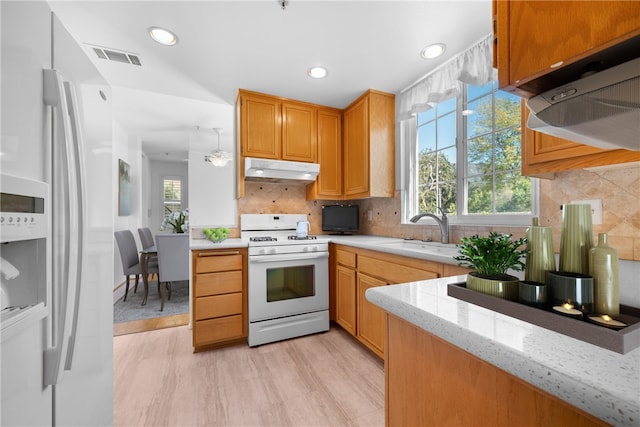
[258, 259]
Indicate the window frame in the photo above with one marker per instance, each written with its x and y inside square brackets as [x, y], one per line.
[409, 178]
[164, 201]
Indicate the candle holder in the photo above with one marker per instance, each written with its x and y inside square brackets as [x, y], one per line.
[533, 294]
[568, 309]
[607, 321]
[575, 287]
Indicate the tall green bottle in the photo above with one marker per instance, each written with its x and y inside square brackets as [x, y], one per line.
[603, 267]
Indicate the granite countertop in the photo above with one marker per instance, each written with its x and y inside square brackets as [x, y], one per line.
[598, 381]
[202, 244]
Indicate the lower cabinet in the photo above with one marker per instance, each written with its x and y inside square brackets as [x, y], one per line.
[370, 316]
[356, 270]
[219, 297]
[431, 382]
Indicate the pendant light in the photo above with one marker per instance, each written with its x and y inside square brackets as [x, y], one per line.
[218, 158]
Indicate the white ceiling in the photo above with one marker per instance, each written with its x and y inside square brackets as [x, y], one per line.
[255, 45]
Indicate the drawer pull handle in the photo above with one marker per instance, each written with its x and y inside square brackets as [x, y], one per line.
[207, 254]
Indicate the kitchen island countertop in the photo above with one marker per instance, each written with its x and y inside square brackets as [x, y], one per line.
[598, 381]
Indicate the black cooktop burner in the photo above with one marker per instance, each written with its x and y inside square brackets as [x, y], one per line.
[262, 239]
[302, 238]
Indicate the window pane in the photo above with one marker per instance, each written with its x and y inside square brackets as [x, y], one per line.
[481, 120]
[447, 106]
[474, 92]
[425, 116]
[447, 130]
[507, 110]
[480, 155]
[427, 137]
[480, 190]
[513, 193]
[508, 152]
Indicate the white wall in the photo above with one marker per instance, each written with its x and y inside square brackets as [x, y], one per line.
[128, 149]
[157, 171]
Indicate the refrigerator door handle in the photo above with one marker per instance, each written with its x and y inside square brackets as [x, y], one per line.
[78, 233]
[64, 220]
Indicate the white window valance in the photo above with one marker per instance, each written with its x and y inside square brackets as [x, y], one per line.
[473, 66]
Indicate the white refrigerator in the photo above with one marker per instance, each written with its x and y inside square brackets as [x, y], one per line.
[56, 229]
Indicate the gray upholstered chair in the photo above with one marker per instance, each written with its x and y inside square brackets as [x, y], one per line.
[146, 238]
[130, 259]
[173, 260]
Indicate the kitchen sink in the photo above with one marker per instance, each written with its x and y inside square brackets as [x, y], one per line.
[422, 247]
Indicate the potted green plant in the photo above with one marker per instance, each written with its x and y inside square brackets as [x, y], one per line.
[491, 257]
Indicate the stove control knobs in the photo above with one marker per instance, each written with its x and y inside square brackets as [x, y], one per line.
[273, 250]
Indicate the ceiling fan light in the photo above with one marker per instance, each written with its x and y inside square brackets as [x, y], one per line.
[218, 158]
[317, 72]
[433, 51]
[163, 36]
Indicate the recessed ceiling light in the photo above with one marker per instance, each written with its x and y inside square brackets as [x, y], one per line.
[317, 72]
[163, 36]
[433, 51]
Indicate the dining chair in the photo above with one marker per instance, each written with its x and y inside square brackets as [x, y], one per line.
[130, 259]
[173, 260]
[146, 237]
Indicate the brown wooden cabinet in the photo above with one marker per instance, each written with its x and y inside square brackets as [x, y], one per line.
[537, 37]
[370, 316]
[543, 154]
[276, 128]
[369, 146]
[354, 271]
[219, 297]
[328, 185]
[430, 382]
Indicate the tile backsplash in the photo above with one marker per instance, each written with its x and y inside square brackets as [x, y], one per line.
[618, 187]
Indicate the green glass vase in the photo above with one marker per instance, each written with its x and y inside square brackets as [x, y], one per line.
[540, 256]
[603, 267]
[576, 238]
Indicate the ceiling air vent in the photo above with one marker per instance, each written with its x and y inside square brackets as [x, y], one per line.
[116, 55]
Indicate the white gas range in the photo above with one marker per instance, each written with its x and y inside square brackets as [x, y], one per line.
[288, 278]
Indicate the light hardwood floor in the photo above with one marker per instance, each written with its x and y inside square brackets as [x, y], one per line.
[319, 380]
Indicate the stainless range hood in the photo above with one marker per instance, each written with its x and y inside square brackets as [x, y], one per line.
[279, 170]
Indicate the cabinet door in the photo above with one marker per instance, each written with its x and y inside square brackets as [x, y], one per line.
[329, 182]
[346, 298]
[370, 317]
[299, 132]
[260, 126]
[544, 33]
[356, 150]
[544, 154]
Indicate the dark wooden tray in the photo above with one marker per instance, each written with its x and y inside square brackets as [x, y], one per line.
[620, 341]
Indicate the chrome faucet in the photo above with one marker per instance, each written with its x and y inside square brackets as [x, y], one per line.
[443, 223]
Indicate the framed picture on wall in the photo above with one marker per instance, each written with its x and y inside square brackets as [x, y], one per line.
[124, 189]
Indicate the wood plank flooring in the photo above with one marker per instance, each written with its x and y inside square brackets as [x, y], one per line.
[150, 324]
[325, 379]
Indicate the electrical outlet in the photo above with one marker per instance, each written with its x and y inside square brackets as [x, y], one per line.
[370, 215]
[596, 209]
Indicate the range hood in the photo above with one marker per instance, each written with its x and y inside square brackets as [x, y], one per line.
[602, 109]
[279, 170]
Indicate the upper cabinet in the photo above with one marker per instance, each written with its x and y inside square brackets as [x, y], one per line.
[534, 38]
[534, 41]
[275, 128]
[369, 146]
[328, 185]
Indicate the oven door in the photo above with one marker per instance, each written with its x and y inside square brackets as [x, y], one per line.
[287, 284]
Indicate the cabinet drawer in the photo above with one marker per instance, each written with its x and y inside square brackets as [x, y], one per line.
[392, 272]
[214, 330]
[346, 258]
[208, 262]
[224, 282]
[218, 306]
